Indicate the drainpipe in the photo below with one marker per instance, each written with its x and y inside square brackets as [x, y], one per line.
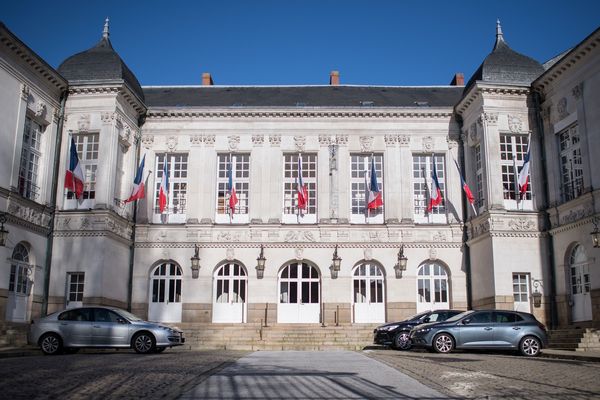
[546, 215]
[54, 194]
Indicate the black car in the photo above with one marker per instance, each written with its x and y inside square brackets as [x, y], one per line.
[396, 334]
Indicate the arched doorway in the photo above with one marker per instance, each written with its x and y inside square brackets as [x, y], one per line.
[18, 285]
[165, 293]
[229, 293]
[432, 287]
[368, 293]
[579, 268]
[299, 294]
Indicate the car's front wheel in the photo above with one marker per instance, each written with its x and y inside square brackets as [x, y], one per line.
[530, 346]
[402, 341]
[144, 343]
[443, 343]
[51, 344]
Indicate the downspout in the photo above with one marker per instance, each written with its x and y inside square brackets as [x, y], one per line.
[54, 194]
[465, 215]
[546, 215]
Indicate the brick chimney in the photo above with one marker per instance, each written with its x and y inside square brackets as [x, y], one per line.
[458, 80]
[334, 78]
[206, 79]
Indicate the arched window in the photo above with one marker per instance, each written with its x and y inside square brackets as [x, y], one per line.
[166, 283]
[231, 282]
[579, 267]
[432, 287]
[368, 293]
[19, 270]
[299, 294]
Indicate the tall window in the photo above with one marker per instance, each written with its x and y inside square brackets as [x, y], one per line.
[479, 200]
[166, 284]
[291, 213]
[360, 174]
[176, 205]
[423, 185]
[432, 287]
[30, 160]
[240, 169]
[571, 168]
[87, 151]
[513, 149]
[19, 270]
[75, 286]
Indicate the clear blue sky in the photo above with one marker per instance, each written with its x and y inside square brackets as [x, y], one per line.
[289, 42]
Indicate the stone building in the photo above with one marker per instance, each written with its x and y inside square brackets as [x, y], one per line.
[334, 260]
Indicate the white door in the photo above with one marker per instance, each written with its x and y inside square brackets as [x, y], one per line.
[521, 293]
[19, 285]
[165, 293]
[581, 309]
[229, 288]
[432, 287]
[368, 294]
[299, 294]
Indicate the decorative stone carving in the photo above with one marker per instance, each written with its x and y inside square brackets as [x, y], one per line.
[491, 118]
[390, 140]
[107, 117]
[230, 254]
[324, 140]
[55, 115]
[209, 140]
[452, 144]
[366, 143]
[125, 137]
[196, 139]
[480, 120]
[428, 143]
[404, 140]
[521, 224]
[275, 140]
[40, 110]
[300, 142]
[299, 252]
[439, 237]
[577, 91]
[84, 123]
[473, 133]
[234, 142]
[432, 254]
[368, 254]
[561, 108]
[258, 140]
[147, 141]
[342, 140]
[515, 125]
[171, 143]
[24, 92]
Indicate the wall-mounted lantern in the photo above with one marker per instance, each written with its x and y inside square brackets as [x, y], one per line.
[336, 262]
[195, 262]
[401, 263]
[3, 232]
[595, 233]
[260, 263]
[536, 295]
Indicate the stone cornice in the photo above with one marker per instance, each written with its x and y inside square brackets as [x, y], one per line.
[252, 245]
[117, 87]
[28, 214]
[481, 88]
[74, 223]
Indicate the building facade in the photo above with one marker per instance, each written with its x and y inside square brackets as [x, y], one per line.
[271, 260]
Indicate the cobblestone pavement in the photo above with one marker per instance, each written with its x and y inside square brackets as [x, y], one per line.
[109, 374]
[497, 376]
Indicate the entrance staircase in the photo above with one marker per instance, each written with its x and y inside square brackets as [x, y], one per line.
[579, 339]
[278, 337]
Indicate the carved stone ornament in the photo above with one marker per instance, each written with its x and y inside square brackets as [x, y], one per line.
[491, 118]
[439, 237]
[125, 137]
[299, 252]
[561, 108]
[428, 143]
[473, 133]
[258, 140]
[366, 143]
[324, 140]
[230, 254]
[342, 140]
[209, 140]
[451, 143]
[300, 142]
[275, 140]
[368, 254]
[432, 254]
[24, 92]
[40, 110]
[404, 140]
[147, 141]
[55, 115]
[515, 125]
[107, 117]
[172, 143]
[390, 140]
[577, 91]
[84, 123]
[196, 139]
[521, 224]
[233, 142]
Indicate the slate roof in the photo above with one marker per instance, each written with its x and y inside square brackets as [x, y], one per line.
[302, 96]
[100, 63]
[504, 65]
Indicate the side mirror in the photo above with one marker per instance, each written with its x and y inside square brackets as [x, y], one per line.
[466, 321]
[121, 320]
[426, 319]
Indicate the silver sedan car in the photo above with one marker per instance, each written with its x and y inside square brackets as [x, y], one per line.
[75, 328]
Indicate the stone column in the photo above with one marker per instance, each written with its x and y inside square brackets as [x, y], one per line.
[490, 148]
[405, 173]
[394, 178]
[18, 143]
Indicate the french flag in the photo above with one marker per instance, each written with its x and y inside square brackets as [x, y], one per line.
[523, 178]
[374, 199]
[233, 200]
[163, 194]
[301, 188]
[436, 192]
[74, 175]
[465, 187]
[138, 185]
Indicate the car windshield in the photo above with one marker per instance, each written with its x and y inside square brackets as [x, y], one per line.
[129, 315]
[418, 316]
[458, 316]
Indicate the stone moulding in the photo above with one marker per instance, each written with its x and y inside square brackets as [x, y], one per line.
[159, 114]
[294, 245]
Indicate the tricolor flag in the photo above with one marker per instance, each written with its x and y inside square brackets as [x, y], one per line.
[301, 188]
[138, 185]
[465, 187]
[233, 200]
[435, 199]
[523, 178]
[74, 176]
[163, 194]
[374, 199]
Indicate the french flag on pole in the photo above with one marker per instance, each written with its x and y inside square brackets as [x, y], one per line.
[374, 199]
[74, 175]
[233, 200]
[465, 187]
[163, 194]
[523, 178]
[436, 193]
[301, 188]
[138, 184]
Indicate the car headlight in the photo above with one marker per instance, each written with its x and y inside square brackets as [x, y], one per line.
[389, 328]
[166, 328]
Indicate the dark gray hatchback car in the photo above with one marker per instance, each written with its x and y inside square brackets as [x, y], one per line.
[483, 329]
